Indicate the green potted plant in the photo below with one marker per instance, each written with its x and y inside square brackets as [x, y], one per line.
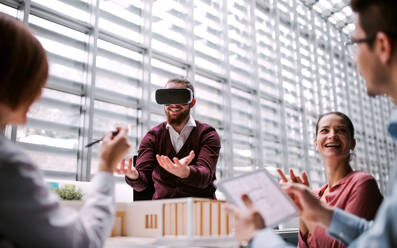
[71, 196]
[69, 192]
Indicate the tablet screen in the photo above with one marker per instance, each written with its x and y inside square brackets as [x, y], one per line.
[267, 196]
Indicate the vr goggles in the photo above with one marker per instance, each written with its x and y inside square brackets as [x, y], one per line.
[174, 96]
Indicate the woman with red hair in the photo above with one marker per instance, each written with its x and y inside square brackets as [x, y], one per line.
[30, 214]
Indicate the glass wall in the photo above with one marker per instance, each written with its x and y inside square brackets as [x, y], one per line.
[263, 71]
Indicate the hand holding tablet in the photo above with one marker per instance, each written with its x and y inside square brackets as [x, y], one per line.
[267, 197]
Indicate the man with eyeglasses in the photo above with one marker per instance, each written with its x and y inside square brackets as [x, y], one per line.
[376, 39]
[178, 156]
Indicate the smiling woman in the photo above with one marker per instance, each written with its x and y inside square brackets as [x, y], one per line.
[354, 191]
[335, 137]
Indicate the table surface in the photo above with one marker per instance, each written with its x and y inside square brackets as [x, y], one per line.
[226, 242]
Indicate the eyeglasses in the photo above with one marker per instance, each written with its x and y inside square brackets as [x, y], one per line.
[355, 41]
[352, 44]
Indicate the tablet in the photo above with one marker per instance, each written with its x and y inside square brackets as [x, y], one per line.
[274, 204]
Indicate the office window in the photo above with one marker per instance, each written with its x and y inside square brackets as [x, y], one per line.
[122, 19]
[271, 130]
[263, 72]
[169, 26]
[210, 102]
[208, 36]
[239, 33]
[8, 10]
[243, 130]
[79, 9]
[52, 132]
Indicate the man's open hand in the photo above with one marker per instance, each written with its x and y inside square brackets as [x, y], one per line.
[179, 168]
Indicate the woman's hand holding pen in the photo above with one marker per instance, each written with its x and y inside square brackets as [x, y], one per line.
[129, 170]
[113, 149]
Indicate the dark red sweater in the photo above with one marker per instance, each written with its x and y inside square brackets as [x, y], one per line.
[205, 143]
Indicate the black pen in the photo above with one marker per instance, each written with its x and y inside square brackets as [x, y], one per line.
[114, 133]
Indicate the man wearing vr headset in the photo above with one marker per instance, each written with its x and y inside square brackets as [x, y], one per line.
[178, 156]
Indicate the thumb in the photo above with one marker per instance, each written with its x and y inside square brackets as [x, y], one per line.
[191, 156]
[305, 179]
[134, 170]
[259, 222]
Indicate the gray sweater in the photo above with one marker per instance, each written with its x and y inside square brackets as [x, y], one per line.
[31, 215]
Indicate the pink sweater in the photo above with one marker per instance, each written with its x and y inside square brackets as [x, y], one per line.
[357, 193]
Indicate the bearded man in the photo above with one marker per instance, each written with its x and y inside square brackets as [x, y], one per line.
[178, 156]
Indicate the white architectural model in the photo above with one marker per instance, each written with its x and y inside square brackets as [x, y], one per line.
[181, 217]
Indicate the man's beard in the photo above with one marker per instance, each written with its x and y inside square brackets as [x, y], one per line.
[179, 118]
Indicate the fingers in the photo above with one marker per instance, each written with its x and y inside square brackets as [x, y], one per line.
[130, 171]
[282, 175]
[311, 208]
[122, 131]
[133, 173]
[295, 189]
[292, 175]
[119, 142]
[190, 157]
[186, 160]
[129, 166]
[107, 138]
[177, 162]
[292, 187]
[259, 222]
[292, 191]
[251, 217]
[120, 169]
[123, 169]
[159, 160]
[247, 201]
[165, 162]
[305, 179]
